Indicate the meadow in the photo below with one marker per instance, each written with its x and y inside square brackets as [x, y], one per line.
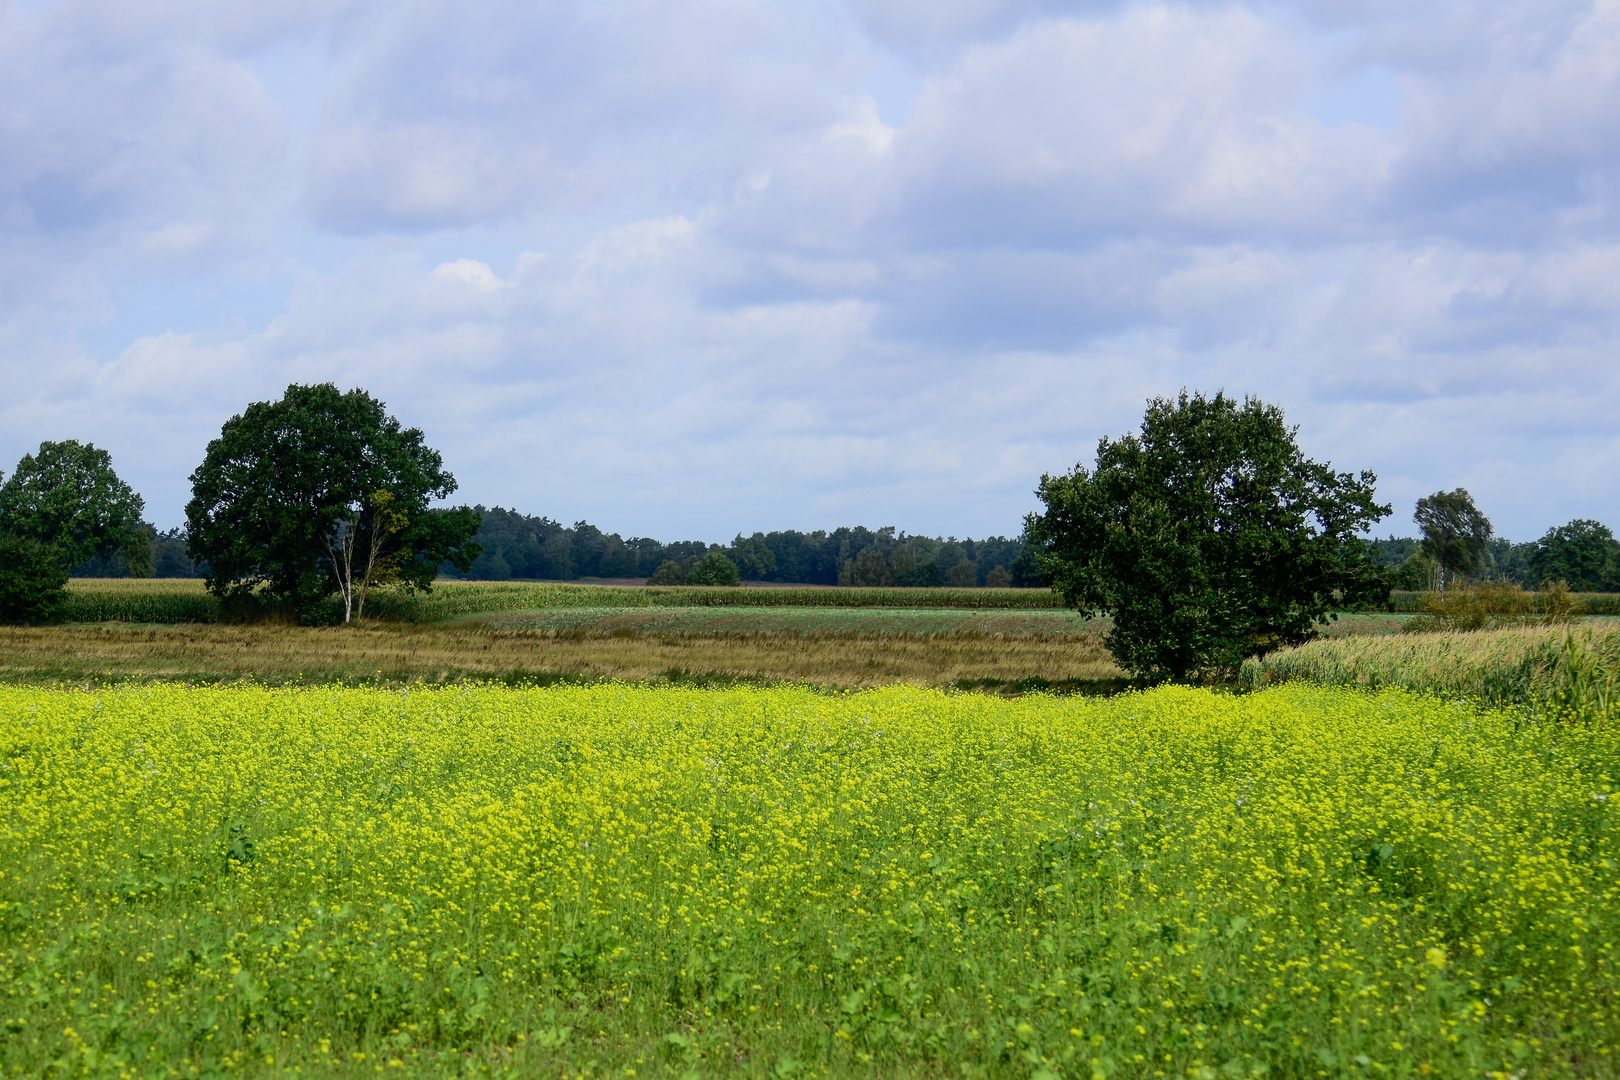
[775, 882]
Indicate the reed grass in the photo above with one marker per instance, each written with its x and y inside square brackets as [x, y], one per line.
[1566, 669]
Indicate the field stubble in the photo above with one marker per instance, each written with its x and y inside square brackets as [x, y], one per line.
[382, 653]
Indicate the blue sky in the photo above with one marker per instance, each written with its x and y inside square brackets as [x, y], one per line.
[690, 269]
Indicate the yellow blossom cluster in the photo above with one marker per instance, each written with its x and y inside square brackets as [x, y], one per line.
[654, 881]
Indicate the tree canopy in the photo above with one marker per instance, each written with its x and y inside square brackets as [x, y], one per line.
[1209, 537]
[67, 497]
[714, 569]
[1584, 554]
[289, 483]
[64, 504]
[1456, 535]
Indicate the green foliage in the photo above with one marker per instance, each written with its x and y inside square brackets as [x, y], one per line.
[67, 497]
[714, 569]
[1583, 553]
[668, 573]
[285, 478]
[868, 570]
[924, 574]
[32, 580]
[754, 558]
[519, 546]
[1456, 535]
[1209, 537]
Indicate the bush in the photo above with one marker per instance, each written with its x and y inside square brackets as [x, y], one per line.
[33, 581]
[1493, 605]
[713, 569]
[668, 573]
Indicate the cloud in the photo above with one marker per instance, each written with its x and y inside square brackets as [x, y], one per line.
[694, 269]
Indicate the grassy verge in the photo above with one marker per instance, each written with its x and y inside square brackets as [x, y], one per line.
[396, 655]
[620, 881]
[1567, 668]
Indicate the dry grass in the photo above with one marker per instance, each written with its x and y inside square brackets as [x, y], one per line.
[394, 654]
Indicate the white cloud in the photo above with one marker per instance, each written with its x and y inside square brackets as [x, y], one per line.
[693, 269]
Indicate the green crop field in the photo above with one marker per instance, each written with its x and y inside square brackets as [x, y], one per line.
[1299, 882]
[917, 622]
[185, 600]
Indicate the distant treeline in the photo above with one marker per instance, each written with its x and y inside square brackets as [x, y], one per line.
[523, 547]
[1582, 554]
[169, 559]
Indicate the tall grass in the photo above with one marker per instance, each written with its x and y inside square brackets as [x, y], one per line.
[1565, 669]
[400, 654]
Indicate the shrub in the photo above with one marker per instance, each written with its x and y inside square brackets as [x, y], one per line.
[714, 569]
[668, 573]
[1493, 605]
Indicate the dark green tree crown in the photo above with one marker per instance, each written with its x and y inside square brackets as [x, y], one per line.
[67, 496]
[1208, 536]
[285, 475]
[1455, 533]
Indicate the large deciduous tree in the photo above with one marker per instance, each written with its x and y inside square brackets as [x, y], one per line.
[1583, 553]
[63, 504]
[323, 492]
[1209, 537]
[67, 497]
[1456, 535]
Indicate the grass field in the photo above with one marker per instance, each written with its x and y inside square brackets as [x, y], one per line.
[396, 654]
[775, 883]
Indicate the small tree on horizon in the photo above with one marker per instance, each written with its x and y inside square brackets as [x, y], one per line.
[714, 569]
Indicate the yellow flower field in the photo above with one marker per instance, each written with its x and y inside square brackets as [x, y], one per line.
[650, 882]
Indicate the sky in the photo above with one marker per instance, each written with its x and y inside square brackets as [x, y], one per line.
[691, 269]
